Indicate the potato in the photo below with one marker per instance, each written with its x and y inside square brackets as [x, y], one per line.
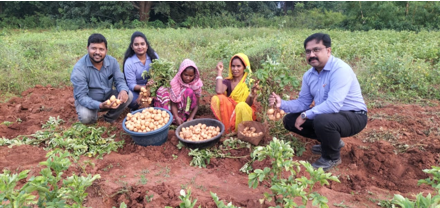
[271, 117]
[270, 111]
[108, 102]
[115, 104]
[282, 112]
[112, 98]
[278, 116]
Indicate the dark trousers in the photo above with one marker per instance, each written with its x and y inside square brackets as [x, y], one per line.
[328, 129]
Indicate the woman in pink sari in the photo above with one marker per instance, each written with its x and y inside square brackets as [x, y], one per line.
[184, 96]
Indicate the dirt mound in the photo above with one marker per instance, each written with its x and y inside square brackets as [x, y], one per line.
[386, 158]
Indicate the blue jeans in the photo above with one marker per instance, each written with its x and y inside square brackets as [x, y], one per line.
[89, 116]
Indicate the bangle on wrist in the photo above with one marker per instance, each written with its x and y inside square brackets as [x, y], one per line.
[219, 77]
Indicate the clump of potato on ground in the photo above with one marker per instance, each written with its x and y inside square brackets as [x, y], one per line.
[250, 132]
[275, 114]
[148, 120]
[199, 132]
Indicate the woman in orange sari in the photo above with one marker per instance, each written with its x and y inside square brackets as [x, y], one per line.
[233, 103]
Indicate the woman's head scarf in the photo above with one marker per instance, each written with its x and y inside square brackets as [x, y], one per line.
[178, 86]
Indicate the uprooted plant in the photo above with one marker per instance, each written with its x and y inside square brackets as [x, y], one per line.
[285, 190]
[161, 72]
[80, 139]
[202, 157]
[273, 77]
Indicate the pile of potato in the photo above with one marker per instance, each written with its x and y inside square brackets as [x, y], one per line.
[145, 96]
[275, 114]
[148, 120]
[250, 132]
[113, 100]
[199, 132]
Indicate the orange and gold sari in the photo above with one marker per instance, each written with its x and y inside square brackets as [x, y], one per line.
[233, 110]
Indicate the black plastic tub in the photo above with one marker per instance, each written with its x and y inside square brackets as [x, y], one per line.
[205, 143]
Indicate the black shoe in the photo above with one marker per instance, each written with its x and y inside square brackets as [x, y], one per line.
[326, 164]
[316, 149]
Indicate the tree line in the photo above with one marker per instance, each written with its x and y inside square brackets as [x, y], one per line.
[351, 15]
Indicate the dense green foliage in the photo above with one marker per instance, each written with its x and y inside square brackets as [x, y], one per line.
[350, 15]
[393, 65]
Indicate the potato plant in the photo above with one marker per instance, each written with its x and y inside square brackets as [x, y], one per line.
[202, 158]
[219, 203]
[285, 190]
[273, 77]
[422, 201]
[51, 188]
[161, 72]
[80, 139]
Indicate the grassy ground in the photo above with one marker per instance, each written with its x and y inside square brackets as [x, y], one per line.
[389, 64]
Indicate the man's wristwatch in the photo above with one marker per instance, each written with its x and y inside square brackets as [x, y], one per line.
[304, 115]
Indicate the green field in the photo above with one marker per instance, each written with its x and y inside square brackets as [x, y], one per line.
[389, 64]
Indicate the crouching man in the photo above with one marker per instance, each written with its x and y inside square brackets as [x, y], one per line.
[93, 78]
[339, 109]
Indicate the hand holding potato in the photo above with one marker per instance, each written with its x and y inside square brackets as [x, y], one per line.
[275, 99]
[123, 96]
[111, 103]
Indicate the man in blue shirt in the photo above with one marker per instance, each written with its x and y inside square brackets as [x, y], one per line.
[339, 109]
[93, 77]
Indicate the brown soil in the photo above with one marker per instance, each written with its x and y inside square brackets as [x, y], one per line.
[386, 158]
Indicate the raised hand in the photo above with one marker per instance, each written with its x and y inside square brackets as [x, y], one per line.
[219, 68]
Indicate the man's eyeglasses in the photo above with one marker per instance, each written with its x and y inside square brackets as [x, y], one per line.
[314, 50]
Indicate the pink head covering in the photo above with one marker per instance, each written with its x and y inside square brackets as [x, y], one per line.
[178, 86]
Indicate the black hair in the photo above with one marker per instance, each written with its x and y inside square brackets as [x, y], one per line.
[189, 67]
[130, 52]
[318, 37]
[237, 57]
[97, 38]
